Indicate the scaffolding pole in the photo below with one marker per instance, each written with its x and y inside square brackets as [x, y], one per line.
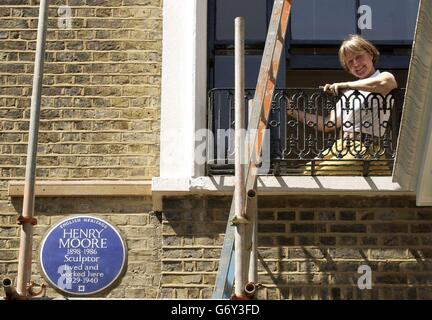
[252, 213]
[241, 267]
[256, 133]
[26, 219]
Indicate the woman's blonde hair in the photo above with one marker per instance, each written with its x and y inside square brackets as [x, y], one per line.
[357, 44]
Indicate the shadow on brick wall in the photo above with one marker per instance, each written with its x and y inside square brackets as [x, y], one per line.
[309, 247]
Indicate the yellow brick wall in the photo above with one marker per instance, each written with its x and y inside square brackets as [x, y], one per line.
[101, 95]
[132, 216]
[309, 247]
[100, 119]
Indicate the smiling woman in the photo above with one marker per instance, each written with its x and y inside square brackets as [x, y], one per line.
[359, 57]
[354, 48]
[360, 113]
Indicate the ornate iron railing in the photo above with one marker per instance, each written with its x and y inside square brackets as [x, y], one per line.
[360, 138]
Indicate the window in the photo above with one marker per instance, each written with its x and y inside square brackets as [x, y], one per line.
[393, 21]
[255, 13]
[318, 26]
[221, 39]
[323, 20]
[190, 38]
[315, 32]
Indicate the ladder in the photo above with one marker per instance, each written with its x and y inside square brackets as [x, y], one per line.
[258, 123]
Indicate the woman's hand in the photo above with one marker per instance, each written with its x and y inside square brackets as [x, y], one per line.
[336, 88]
[382, 84]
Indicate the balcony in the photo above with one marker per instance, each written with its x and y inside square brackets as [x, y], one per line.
[361, 141]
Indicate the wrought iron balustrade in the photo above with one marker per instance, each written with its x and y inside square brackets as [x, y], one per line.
[312, 132]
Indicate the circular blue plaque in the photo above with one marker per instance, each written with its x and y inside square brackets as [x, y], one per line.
[82, 255]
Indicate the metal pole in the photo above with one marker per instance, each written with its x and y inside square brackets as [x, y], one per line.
[239, 191]
[252, 211]
[262, 103]
[25, 252]
[252, 214]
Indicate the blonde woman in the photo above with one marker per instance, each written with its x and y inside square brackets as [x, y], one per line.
[359, 57]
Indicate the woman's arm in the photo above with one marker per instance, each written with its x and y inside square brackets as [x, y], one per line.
[383, 84]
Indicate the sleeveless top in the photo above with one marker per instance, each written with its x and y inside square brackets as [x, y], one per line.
[364, 112]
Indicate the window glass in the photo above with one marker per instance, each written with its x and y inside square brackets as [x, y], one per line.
[329, 20]
[224, 71]
[392, 20]
[254, 12]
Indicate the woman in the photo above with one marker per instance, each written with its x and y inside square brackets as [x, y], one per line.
[359, 57]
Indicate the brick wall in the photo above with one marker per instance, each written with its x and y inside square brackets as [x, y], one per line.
[100, 120]
[140, 230]
[101, 95]
[99, 117]
[309, 248]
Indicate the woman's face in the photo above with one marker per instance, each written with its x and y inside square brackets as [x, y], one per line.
[359, 65]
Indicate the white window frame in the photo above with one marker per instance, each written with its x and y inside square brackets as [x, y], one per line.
[184, 86]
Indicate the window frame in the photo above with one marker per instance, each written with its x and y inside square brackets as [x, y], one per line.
[184, 111]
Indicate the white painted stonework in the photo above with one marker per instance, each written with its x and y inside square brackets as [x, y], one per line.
[413, 164]
[276, 186]
[184, 85]
[283, 185]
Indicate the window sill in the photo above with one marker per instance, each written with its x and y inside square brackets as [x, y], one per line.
[281, 185]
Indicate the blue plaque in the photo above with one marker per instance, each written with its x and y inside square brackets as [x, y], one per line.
[82, 255]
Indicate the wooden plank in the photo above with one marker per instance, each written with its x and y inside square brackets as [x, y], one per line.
[225, 279]
[87, 188]
[266, 84]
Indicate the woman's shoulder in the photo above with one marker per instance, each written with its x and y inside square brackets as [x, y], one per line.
[385, 74]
